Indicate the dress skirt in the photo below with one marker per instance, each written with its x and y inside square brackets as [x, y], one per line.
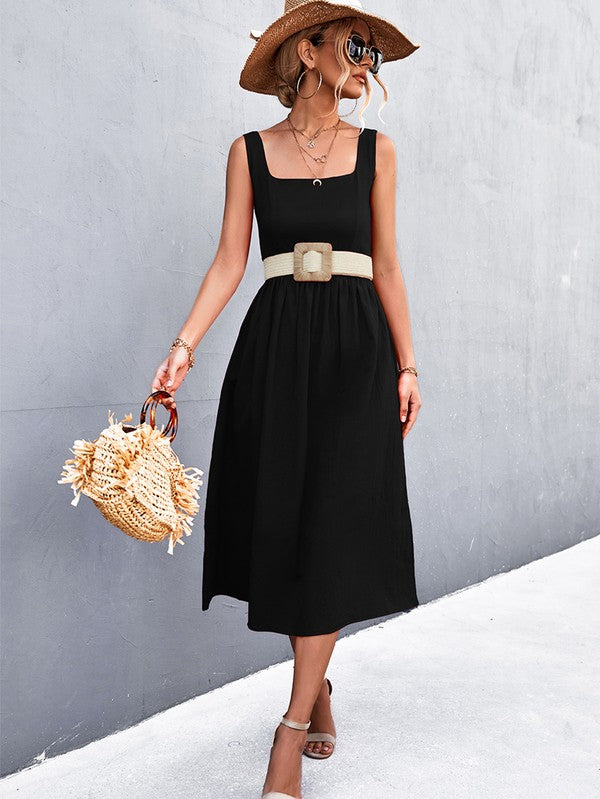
[307, 516]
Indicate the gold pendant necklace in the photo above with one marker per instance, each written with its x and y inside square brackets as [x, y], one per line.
[321, 158]
[312, 140]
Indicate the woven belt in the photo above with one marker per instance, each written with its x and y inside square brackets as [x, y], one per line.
[317, 260]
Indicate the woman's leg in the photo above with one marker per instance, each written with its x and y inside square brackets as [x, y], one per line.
[311, 658]
[321, 718]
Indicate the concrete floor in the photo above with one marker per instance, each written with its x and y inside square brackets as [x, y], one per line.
[493, 692]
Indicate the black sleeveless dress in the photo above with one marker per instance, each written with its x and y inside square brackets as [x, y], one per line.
[307, 516]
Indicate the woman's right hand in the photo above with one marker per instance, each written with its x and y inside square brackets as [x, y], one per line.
[171, 373]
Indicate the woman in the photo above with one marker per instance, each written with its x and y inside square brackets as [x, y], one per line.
[307, 514]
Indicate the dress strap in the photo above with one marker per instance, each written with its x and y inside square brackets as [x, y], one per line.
[366, 155]
[256, 159]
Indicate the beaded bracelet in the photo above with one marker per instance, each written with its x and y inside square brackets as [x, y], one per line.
[409, 369]
[179, 342]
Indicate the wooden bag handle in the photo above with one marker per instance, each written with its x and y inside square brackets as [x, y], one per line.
[151, 402]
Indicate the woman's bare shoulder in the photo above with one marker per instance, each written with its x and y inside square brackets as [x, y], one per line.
[385, 154]
[383, 140]
[237, 148]
[237, 159]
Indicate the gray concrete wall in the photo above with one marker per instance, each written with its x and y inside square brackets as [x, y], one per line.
[117, 118]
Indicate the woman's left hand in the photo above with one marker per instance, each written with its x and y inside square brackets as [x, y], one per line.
[410, 400]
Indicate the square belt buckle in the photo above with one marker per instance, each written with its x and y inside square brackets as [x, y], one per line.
[312, 260]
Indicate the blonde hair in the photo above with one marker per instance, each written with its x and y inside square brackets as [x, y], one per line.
[289, 65]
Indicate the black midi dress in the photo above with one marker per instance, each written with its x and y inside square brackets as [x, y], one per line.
[306, 511]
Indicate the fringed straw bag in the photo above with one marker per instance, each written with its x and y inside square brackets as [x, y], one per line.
[135, 479]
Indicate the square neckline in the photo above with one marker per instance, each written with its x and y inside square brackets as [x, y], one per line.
[327, 177]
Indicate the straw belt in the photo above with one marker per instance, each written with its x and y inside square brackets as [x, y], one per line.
[317, 260]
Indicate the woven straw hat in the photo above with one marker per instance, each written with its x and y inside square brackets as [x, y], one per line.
[258, 73]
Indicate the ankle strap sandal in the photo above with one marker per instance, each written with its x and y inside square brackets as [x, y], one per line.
[321, 736]
[295, 725]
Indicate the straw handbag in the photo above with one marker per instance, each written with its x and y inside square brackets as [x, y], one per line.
[135, 479]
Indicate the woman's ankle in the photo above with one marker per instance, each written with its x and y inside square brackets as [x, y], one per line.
[290, 737]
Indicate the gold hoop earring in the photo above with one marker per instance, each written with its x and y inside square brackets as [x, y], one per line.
[350, 112]
[302, 74]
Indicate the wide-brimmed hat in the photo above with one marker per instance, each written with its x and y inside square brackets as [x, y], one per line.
[258, 73]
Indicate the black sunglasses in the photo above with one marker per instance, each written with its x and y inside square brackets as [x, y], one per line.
[357, 47]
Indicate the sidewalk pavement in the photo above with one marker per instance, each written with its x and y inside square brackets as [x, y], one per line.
[492, 692]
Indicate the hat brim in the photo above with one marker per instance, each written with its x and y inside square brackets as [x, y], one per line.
[258, 74]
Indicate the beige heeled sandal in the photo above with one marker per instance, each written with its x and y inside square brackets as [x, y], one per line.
[321, 736]
[295, 725]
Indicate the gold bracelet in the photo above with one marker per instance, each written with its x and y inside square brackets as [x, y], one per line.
[179, 342]
[409, 369]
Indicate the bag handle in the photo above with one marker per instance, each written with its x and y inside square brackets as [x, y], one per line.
[151, 402]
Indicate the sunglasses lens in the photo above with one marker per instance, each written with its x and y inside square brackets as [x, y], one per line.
[357, 49]
[377, 58]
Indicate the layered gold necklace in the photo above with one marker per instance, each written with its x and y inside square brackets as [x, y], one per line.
[312, 140]
[320, 159]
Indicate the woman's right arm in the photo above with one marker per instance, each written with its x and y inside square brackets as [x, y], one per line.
[225, 272]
